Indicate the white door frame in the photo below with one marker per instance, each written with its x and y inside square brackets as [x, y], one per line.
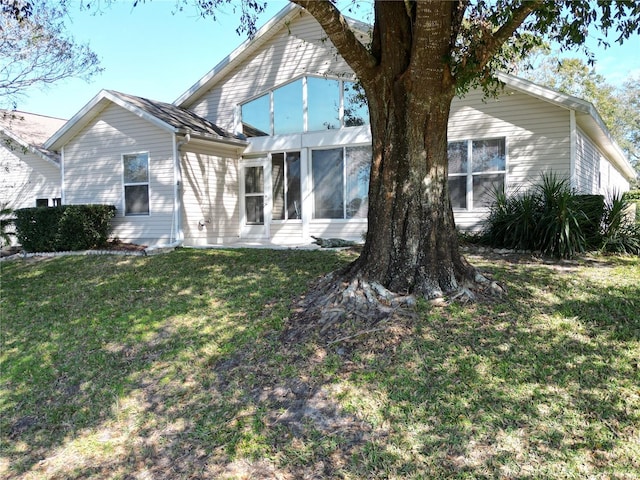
[256, 231]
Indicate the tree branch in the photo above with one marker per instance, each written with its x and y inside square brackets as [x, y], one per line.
[337, 29]
[489, 43]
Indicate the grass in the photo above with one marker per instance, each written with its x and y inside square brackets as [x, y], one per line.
[174, 366]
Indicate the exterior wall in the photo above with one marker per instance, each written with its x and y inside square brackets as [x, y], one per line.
[594, 173]
[210, 197]
[537, 137]
[93, 172]
[587, 165]
[26, 177]
[299, 48]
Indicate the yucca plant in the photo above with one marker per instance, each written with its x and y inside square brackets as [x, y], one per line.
[559, 228]
[546, 218]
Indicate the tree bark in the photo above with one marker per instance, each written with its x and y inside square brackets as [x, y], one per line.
[411, 245]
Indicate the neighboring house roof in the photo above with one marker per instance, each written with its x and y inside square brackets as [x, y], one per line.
[164, 115]
[247, 48]
[587, 118]
[30, 131]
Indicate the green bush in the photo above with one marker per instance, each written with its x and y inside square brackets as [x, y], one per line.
[548, 218]
[36, 228]
[593, 207]
[633, 197]
[68, 227]
[620, 232]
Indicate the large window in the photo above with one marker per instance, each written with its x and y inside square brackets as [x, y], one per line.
[285, 177]
[477, 169]
[329, 104]
[340, 179]
[136, 183]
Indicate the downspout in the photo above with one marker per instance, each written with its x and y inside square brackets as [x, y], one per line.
[63, 199]
[178, 238]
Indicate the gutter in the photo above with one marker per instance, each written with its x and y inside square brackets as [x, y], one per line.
[235, 142]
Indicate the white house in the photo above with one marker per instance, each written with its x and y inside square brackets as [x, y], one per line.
[30, 174]
[272, 146]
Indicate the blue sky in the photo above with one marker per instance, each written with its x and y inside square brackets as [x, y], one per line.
[150, 52]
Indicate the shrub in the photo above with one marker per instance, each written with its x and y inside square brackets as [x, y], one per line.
[633, 197]
[552, 219]
[593, 208]
[559, 231]
[36, 228]
[548, 218]
[620, 232]
[68, 227]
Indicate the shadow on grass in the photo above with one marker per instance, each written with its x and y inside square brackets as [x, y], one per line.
[95, 347]
[172, 367]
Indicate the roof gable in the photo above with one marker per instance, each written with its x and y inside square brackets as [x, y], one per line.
[249, 48]
[163, 115]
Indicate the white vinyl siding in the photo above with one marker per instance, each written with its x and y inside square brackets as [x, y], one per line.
[537, 136]
[594, 174]
[210, 206]
[92, 177]
[299, 48]
[587, 165]
[26, 177]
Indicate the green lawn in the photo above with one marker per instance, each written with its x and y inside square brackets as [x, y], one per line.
[176, 366]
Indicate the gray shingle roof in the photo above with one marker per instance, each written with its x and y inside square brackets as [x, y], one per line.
[177, 117]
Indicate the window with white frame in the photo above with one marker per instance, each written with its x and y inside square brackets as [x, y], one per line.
[136, 183]
[477, 169]
[285, 178]
[340, 178]
[328, 103]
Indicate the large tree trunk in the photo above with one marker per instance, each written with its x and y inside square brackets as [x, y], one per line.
[411, 244]
[411, 247]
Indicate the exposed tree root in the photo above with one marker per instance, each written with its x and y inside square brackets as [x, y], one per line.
[343, 309]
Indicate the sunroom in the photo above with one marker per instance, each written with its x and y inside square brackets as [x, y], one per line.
[306, 170]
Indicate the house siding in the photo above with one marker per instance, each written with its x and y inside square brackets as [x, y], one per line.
[591, 164]
[300, 48]
[587, 165]
[537, 137]
[26, 177]
[210, 203]
[93, 172]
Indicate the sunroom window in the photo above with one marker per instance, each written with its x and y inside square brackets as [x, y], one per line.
[305, 105]
[285, 177]
[340, 179]
[477, 169]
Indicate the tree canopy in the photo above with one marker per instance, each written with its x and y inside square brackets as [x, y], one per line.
[35, 49]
